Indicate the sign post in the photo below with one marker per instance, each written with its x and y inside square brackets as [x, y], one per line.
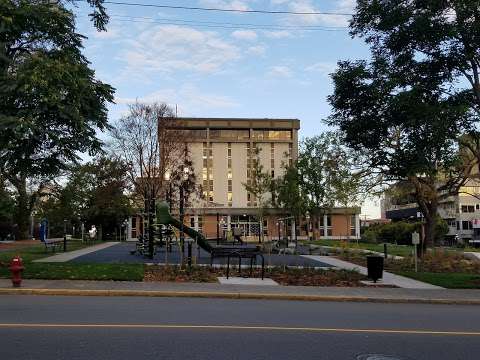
[415, 242]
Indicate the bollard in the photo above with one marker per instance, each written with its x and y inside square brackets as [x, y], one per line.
[385, 250]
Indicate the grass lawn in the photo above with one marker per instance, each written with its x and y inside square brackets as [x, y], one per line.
[392, 249]
[446, 280]
[68, 270]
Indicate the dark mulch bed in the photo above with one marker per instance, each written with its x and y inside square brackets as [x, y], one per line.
[287, 276]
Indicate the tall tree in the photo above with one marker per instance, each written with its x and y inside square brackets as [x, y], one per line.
[7, 207]
[407, 110]
[149, 141]
[94, 193]
[258, 186]
[51, 105]
[287, 195]
[326, 174]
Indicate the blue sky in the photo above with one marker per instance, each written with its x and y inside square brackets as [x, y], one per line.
[276, 68]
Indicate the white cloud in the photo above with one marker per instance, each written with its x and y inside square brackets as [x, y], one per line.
[280, 71]
[278, 34]
[167, 48]
[257, 50]
[224, 4]
[308, 6]
[190, 100]
[249, 35]
[325, 68]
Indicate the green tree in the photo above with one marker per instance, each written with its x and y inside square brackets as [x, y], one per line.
[426, 41]
[7, 207]
[413, 109]
[326, 174]
[287, 193]
[51, 105]
[258, 186]
[95, 193]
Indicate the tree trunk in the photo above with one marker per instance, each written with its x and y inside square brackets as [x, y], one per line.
[23, 209]
[430, 222]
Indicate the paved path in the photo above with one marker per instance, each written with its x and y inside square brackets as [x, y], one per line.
[365, 251]
[78, 328]
[70, 255]
[388, 278]
[473, 255]
[216, 289]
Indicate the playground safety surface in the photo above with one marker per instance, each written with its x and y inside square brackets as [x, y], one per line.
[120, 253]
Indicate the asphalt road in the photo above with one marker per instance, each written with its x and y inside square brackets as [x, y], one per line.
[41, 327]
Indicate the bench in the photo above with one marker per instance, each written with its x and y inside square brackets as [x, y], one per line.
[52, 244]
[240, 253]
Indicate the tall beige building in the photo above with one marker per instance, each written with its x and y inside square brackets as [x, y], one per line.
[223, 151]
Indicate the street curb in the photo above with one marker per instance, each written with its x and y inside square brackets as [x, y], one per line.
[234, 295]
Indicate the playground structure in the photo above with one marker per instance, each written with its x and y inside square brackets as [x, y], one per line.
[165, 237]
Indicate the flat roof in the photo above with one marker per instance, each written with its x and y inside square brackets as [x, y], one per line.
[239, 123]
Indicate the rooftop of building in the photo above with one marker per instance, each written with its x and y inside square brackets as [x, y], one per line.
[240, 123]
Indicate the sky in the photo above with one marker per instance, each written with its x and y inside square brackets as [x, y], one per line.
[224, 64]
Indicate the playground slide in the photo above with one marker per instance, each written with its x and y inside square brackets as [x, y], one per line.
[164, 217]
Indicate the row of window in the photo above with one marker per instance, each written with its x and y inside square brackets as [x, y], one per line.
[470, 208]
[229, 176]
[238, 220]
[237, 134]
[207, 171]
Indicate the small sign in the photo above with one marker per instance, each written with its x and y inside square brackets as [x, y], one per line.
[415, 238]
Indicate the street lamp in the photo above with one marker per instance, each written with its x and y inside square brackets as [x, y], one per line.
[307, 217]
[64, 235]
[169, 194]
[186, 172]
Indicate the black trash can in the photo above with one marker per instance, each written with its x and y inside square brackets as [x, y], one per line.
[375, 267]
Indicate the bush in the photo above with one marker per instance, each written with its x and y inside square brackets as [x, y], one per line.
[400, 232]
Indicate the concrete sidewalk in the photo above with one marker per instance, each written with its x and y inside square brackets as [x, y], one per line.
[215, 290]
[70, 255]
[388, 278]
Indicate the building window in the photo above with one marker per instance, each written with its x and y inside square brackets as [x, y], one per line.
[229, 176]
[191, 134]
[272, 156]
[233, 134]
[468, 208]
[207, 171]
[466, 225]
[451, 222]
[272, 134]
[353, 227]
[327, 231]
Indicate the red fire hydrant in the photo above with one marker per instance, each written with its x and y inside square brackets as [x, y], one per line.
[16, 268]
